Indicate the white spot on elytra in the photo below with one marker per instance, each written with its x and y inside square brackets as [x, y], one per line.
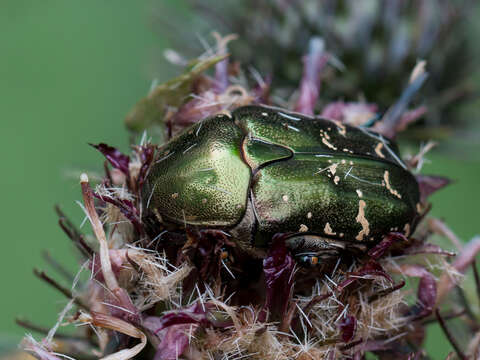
[378, 150]
[328, 230]
[303, 228]
[325, 141]
[419, 208]
[362, 220]
[333, 169]
[394, 192]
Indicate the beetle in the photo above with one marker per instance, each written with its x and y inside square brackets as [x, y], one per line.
[263, 170]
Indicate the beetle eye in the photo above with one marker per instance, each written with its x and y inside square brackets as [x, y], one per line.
[307, 260]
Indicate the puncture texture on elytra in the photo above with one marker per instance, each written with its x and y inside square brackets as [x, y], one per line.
[263, 171]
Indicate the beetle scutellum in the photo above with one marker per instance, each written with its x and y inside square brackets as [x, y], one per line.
[263, 171]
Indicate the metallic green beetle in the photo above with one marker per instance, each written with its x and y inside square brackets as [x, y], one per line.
[264, 170]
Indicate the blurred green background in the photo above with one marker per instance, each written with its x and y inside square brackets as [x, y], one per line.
[70, 71]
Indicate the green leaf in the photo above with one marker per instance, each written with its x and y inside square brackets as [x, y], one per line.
[152, 109]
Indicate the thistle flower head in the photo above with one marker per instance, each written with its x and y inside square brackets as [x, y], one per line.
[372, 45]
[163, 294]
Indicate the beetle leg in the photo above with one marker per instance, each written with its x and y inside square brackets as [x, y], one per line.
[314, 243]
[356, 248]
